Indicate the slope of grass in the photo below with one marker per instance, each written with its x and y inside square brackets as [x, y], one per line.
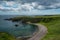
[53, 30]
[5, 36]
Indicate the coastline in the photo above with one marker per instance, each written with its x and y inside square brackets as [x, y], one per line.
[40, 34]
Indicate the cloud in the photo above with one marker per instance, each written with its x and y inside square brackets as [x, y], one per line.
[18, 6]
[41, 7]
[6, 5]
[28, 5]
[56, 5]
[9, 3]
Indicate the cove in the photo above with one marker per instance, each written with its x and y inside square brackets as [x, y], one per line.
[17, 29]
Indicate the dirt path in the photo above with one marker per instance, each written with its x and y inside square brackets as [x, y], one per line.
[40, 34]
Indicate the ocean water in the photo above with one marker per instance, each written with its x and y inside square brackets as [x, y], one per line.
[20, 31]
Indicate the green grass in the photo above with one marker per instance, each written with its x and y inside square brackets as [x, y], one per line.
[5, 36]
[53, 30]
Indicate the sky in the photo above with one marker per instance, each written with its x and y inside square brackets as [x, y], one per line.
[29, 7]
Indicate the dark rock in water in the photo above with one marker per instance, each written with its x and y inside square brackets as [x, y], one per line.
[16, 25]
[8, 19]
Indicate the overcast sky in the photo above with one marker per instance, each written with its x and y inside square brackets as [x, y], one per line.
[29, 7]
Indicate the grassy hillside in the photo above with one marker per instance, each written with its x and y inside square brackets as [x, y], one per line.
[53, 29]
[5, 36]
